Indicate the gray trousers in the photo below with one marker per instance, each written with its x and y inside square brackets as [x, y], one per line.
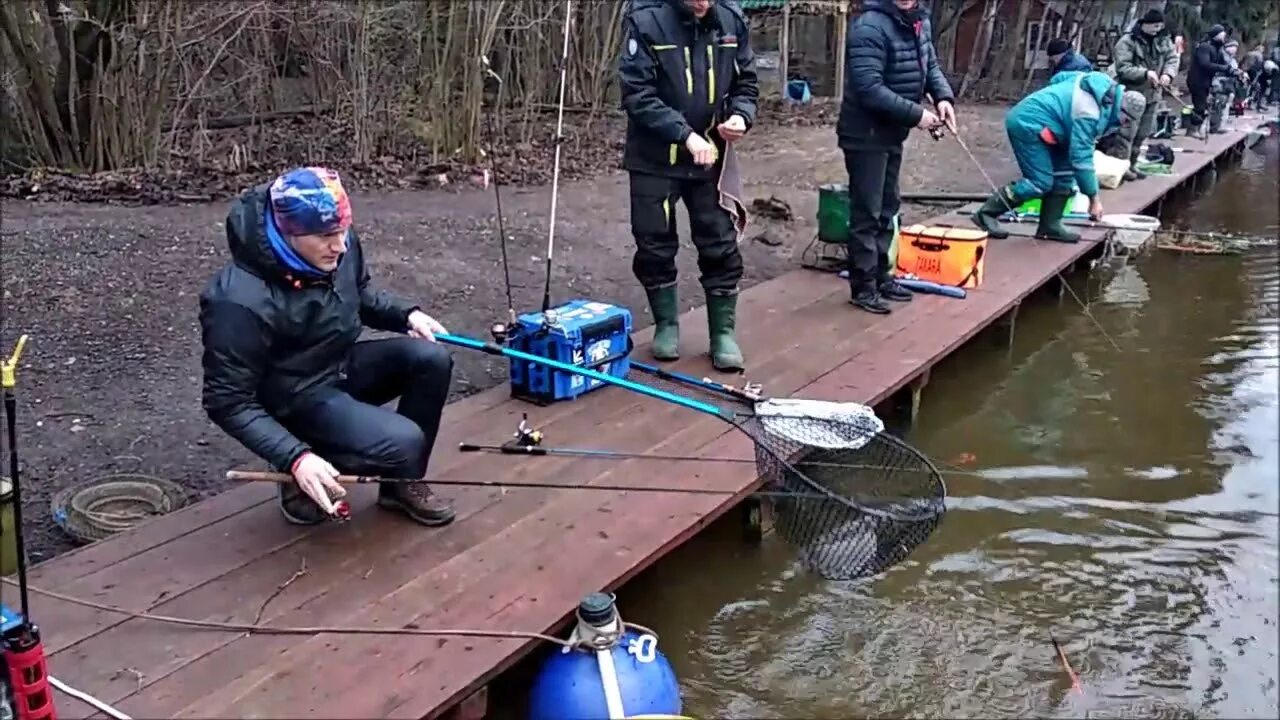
[1137, 133]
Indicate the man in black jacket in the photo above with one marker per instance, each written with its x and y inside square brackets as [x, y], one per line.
[890, 66]
[688, 83]
[283, 373]
[1208, 62]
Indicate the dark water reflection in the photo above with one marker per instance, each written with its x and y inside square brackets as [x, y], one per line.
[1125, 501]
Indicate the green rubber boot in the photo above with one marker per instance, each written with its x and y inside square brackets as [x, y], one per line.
[986, 216]
[1052, 208]
[726, 356]
[664, 303]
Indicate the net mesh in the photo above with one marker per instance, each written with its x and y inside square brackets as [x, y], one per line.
[854, 511]
[853, 499]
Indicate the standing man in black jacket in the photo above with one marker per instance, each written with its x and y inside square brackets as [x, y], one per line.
[890, 66]
[283, 373]
[1208, 62]
[689, 86]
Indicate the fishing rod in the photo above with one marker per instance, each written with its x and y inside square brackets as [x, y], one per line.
[497, 193]
[278, 477]
[555, 172]
[996, 191]
[1098, 225]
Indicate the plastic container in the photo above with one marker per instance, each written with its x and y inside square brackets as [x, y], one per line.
[943, 254]
[833, 213]
[1131, 231]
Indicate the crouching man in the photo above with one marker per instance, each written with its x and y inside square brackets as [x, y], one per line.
[1053, 132]
[283, 373]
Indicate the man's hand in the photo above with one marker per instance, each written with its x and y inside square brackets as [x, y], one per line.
[928, 120]
[1095, 208]
[733, 128]
[947, 114]
[704, 153]
[318, 479]
[1166, 81]
[1153, 77]
[422, 325]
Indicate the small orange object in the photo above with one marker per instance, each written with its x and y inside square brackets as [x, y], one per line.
[943, 254]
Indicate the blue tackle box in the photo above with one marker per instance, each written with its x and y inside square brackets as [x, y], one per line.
[9, 619]
[586, 333]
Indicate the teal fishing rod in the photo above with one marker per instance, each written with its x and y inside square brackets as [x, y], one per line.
[493, 348]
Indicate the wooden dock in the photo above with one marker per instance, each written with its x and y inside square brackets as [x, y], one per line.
[518, 559]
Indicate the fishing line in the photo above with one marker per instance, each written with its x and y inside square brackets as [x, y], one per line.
[497, 193]
[555, 172]
[1063, 281]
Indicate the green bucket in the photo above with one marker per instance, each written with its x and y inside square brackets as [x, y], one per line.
[833, 213]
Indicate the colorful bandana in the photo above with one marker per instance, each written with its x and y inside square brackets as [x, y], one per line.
[310, 201]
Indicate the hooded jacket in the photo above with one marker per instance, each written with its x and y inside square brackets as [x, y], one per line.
[1077, 108]
[274, 341]
[680, 75]
[890, 64]
[1072, 61]
[1136, 53]
[1208, 62]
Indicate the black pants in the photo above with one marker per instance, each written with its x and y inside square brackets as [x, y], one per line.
[873, 202]
[1199, 104]
[348, 427]
[653, 223]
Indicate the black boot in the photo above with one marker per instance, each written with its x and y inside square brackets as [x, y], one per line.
[985, 217]
[867, 297]
[891, 289]
[1052, 208]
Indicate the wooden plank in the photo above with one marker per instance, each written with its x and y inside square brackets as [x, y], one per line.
[835, 314]
[262, 582]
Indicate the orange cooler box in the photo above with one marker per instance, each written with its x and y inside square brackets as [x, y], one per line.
[943, 254]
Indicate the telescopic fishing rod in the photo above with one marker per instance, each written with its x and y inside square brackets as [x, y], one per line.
[555, 172]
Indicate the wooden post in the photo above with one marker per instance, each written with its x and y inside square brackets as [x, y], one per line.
[475, 707]
[752, 520]
[784, 45]
[842, 35]
[1004, 326]
[905, 404]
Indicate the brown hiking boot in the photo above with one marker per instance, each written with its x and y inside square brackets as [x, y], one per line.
[415, 500]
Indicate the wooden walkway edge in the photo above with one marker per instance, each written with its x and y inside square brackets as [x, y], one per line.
[515, 560]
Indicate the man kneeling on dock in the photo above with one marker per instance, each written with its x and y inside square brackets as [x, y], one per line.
[1053, 132]
[283, 373]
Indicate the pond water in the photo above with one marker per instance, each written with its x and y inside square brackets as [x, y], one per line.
[1123, 501]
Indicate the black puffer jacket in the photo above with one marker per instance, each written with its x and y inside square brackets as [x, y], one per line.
[890, 63]
[680, 75]
[1209, 61]
[271, 341]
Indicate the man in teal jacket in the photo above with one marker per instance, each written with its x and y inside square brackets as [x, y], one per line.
[1053, 132]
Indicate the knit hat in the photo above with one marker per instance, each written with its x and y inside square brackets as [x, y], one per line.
[1152, 17]
[1058, 46]
[1231, 43]
[310, 201]
[1214, 30]
[1132, 104]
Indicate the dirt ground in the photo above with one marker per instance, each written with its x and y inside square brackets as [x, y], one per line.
[110, 382]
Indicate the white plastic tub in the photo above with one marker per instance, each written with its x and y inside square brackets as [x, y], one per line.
[1131, 231]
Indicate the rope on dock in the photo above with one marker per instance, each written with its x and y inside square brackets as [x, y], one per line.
[255, 628]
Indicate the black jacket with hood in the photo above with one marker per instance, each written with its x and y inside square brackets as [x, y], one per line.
[680, 75]
[890, 64]
[273, 342]
[1209, 61]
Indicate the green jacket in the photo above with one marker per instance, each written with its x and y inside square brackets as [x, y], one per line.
[1135, 54]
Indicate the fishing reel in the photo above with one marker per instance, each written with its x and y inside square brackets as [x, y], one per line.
[937, 132]
[525, 435]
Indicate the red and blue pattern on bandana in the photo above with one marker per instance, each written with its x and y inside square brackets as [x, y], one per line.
[310, 201]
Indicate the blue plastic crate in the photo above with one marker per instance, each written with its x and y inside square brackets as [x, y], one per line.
[586, 333]
[9, 619]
